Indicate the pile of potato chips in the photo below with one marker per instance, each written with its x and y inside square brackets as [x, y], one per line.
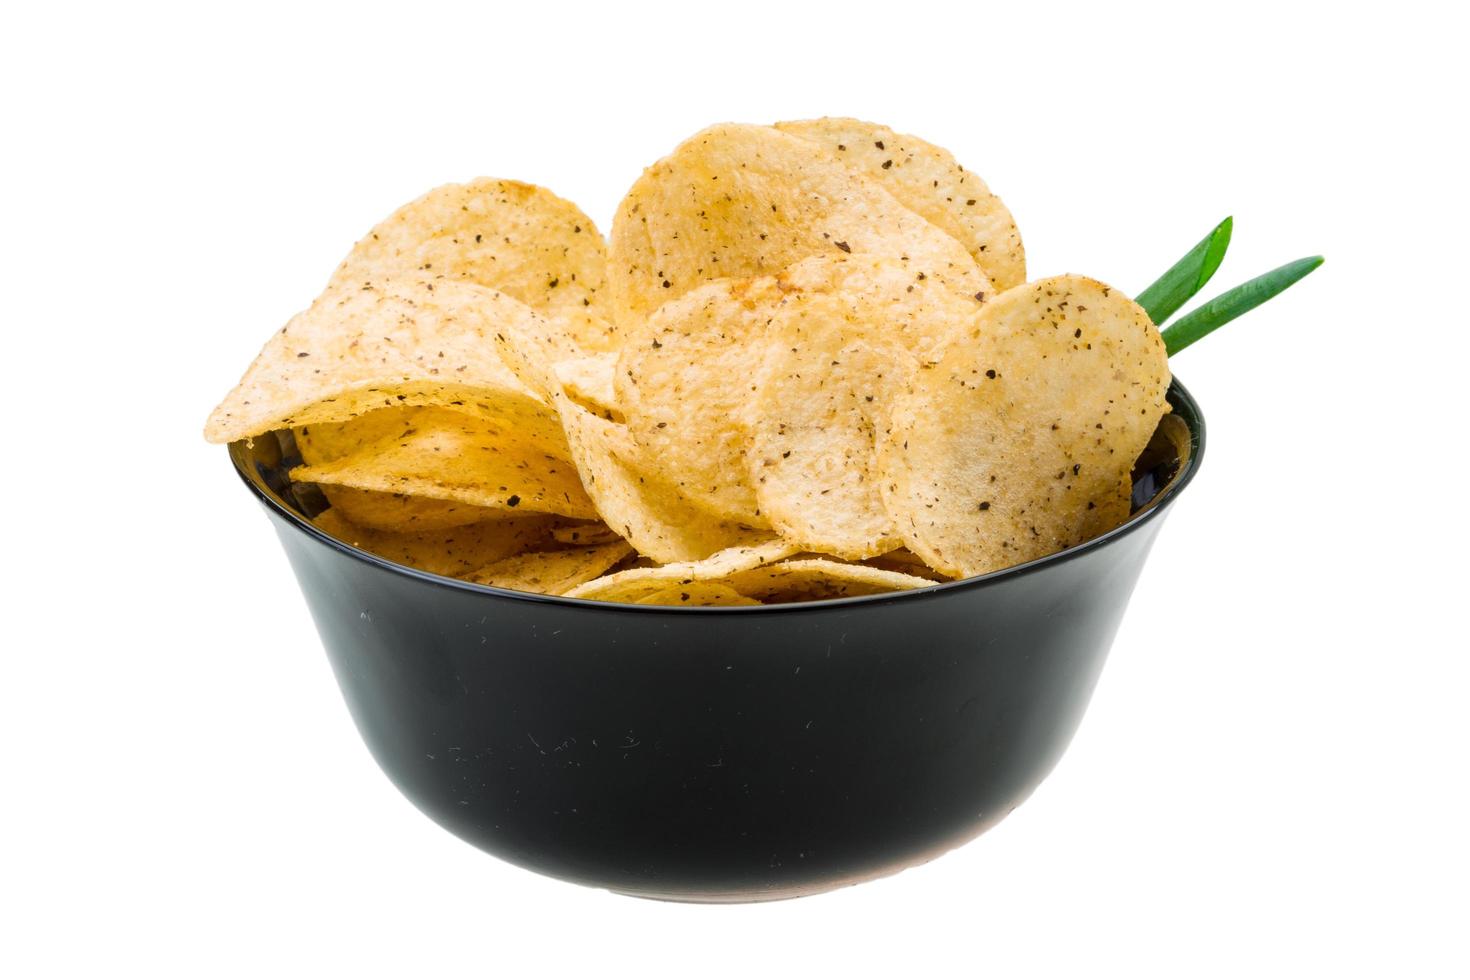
[807, 365]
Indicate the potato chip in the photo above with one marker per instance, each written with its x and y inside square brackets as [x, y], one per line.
[552, 572]
[516, 238]
[327, 442]
[738, 201]
[324, 442]
[449, 455]
[455, 552]
[653, 516]
[692, 594]
[845, 338]
[401, 512]
[526, 420]
[588, 381]
[684, 378]
[1028, 422]
[586, 533]
[905, 561]
[929, 181]
[806, 579]
[631, 585]
[399, 344]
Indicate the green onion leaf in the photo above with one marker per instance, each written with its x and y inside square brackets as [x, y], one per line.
[1233, 302]
[1187, 276]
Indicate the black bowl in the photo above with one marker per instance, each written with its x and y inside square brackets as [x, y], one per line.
[721, 754]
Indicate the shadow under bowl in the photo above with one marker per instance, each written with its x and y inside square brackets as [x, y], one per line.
[722, 754]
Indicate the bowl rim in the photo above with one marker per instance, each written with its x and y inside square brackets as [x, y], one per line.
[1178, 396]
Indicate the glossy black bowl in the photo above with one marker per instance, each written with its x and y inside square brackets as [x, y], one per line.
[730, 754]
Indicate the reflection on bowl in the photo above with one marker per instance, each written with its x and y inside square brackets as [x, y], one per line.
[721, 753]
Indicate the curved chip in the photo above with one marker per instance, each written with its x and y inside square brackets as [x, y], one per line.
[552, 572]
[525, 419]
[401, 343]
[737, 201]
[692, 594]
[1027, 425]
[323, 442]
[401, 512]
[586, 533]
[455, 552]
[530, 422]
[653, 516]
[806, 579]
[449, 455]
[684, 378]
[635, 584]
[905, 561]
[588, 381]
[519, 239]
[929, 181]
[844, 340]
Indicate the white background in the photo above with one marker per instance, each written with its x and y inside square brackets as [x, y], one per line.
[1272, 777]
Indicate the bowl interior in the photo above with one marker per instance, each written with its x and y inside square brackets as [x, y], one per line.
[1166, 465]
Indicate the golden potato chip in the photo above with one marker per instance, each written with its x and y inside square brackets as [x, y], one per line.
[803, 580]
[929, 181]
[588, 381]
[449, 455]
[738, 201]
[399, 344]
[327, 442]
[527, 420]
[684, 378]
[813, 455]
[552, 572]
[401, 512]
[659, 521]
[845, 338]
[905, 561]
[516, 238]
[586, 534]
[691, 594]
[454, 552]
[653, 516]
[1028, 422]
[324, 442]
[631, 585]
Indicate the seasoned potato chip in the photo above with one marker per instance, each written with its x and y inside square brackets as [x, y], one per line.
[805, 579]
[324, 442]
[526, 420]
[1028, 422]
[586, 534]
[552, 572]
[929, 181]
[455, 552]
[650, 514]
[813, 455]
[738, 201]
[399, 344]
[630, 585]
[691, 594]
[401, 512]
[684, 378]
[905, 561]
[845, 338]
[588, 381]
[449, 455]
[516, 238]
